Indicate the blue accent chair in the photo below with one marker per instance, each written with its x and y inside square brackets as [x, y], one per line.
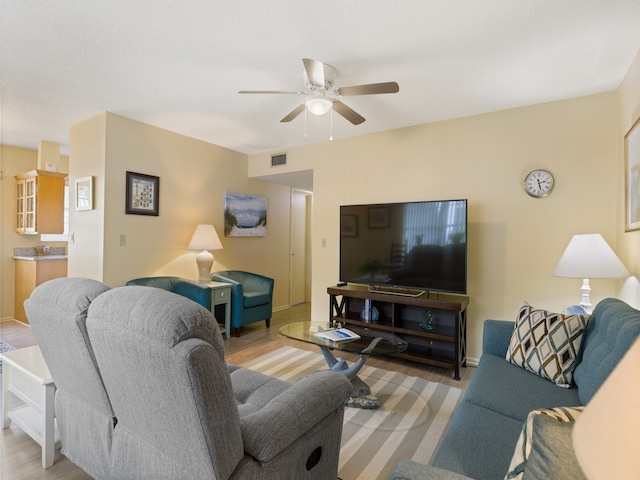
[251, 297]
[198, 292]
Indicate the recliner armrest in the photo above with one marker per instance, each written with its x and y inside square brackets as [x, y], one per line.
[496, 336]
[288, 416]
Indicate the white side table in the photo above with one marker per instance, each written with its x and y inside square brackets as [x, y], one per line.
[25, 375]
[221, 295]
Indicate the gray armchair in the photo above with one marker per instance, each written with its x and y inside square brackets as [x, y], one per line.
[180, 411]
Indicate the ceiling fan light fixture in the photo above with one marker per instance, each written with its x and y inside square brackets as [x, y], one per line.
[319, 105]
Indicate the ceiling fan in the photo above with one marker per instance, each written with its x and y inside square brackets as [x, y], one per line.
[322, 96]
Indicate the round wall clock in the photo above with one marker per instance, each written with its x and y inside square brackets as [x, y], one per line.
[538, 183]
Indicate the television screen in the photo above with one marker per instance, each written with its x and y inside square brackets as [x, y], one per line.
[415, 245]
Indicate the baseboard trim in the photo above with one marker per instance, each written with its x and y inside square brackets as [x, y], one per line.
[472, 362]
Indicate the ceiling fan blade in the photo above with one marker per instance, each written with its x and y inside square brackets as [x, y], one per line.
[371, 89]
[269, 91]
[315, 71]
[293, 113]
[347, 112]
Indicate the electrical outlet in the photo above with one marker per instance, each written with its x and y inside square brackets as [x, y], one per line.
[123, 240]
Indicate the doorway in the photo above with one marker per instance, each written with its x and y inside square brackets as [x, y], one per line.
[300, 249]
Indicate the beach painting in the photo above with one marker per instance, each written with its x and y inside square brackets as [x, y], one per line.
[245, 215]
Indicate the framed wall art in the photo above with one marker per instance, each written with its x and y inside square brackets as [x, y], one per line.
[245, 215]
[84, 193]
[632, 177]
[143, 194]
[348, 226]
[378, 217]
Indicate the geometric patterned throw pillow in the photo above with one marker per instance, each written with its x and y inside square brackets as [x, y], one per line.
[547, 343]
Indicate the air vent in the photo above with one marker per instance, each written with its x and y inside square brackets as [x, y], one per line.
[279, 159]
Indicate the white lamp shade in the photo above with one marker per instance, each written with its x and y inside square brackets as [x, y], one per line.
[319, 105]
[606, 436]
[589, 256]
[205, 238]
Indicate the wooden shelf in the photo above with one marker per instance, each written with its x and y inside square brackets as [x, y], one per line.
[444, 346]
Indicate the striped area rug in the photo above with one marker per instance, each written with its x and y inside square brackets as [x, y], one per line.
[413, 415]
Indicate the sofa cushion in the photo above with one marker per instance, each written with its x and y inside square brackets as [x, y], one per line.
[409, 470]
[253, 299]
[612, 329]
[544, 449]
[547, 343]
[510, 390]
[479, 442]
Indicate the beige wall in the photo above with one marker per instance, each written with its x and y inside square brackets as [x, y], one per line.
[193, 178]
[514, 241]
[628, 242]
[13, 161]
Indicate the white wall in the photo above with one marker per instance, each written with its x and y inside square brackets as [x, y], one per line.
[515, 241]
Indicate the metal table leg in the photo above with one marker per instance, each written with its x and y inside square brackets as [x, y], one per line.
[361, 392]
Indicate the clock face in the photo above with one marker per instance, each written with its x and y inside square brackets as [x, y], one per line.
[538, 183]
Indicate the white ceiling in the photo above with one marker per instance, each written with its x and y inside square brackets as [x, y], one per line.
[179, 64]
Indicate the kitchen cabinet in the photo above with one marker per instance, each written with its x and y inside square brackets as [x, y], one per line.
[40, 202]
[32, 272]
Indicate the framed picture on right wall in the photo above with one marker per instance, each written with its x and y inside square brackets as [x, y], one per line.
[632, 177]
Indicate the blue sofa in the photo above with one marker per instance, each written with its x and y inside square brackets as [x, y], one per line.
[484, 430]
[251, 297]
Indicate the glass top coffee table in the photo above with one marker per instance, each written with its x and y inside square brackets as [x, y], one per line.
[371, 342]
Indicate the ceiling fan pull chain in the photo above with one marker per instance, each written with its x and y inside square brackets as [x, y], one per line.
[305, 122]
[331, 133]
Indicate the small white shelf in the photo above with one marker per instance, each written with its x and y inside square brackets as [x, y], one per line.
[30, 421]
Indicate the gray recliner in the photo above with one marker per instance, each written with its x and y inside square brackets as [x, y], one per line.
[180, 411]
[57, 312]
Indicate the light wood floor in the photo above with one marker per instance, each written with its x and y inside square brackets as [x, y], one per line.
[20, 456]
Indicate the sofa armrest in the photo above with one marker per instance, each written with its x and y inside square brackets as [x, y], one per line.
[291, 414]
[496, 337]
[198, 292]
[409, 470]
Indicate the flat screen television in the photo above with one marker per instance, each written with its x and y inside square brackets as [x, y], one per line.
[410, 245]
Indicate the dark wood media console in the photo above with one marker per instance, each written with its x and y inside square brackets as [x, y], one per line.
[443, 346]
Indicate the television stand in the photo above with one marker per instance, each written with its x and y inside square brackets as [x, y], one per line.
[407, 292]
[434, 326]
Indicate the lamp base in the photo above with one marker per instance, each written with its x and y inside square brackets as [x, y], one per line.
[586, 295]
[204, 260]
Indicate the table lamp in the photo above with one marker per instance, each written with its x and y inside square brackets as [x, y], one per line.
[589, 256]
[205, 238]
[606, 436]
